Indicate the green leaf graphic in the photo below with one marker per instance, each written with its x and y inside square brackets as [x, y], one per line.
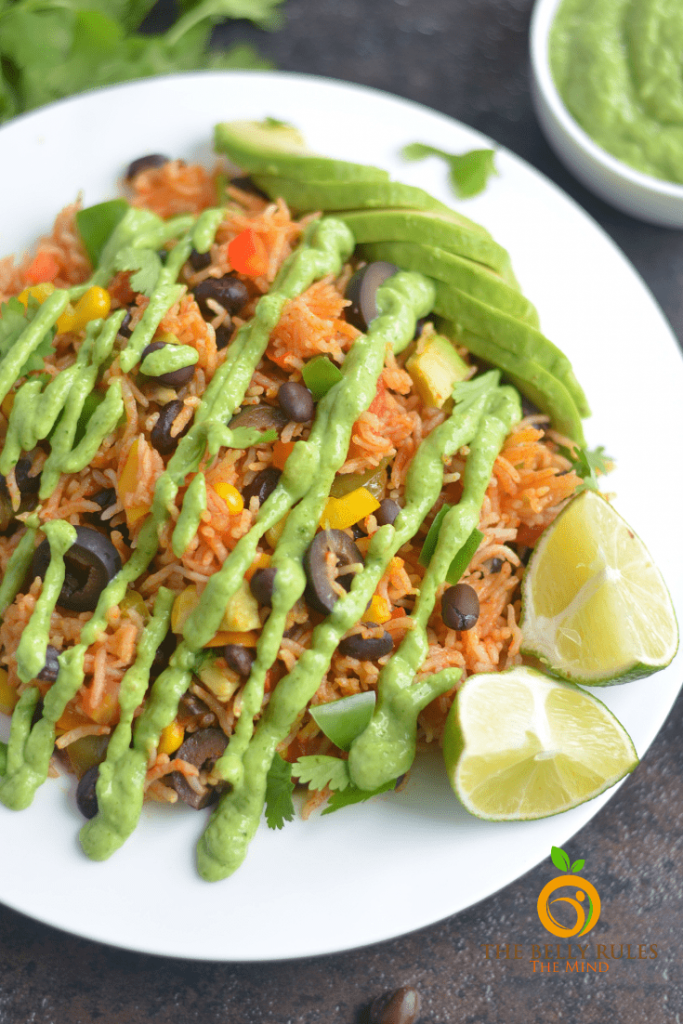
[577, 865]
[559, 859]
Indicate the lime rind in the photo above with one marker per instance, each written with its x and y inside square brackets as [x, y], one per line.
[520, 746]
[595, 608]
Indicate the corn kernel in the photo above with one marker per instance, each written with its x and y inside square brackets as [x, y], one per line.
[171, 738]
[379, 610]
[231, 496]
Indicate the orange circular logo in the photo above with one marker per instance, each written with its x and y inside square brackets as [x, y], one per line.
[585, 901]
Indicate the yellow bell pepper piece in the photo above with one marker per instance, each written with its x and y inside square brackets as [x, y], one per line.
[128, 483]
[38, 291]
[379, 611]
[93, 305]
[8, 695]
[171, 738]
[241, 615]
[341, 513]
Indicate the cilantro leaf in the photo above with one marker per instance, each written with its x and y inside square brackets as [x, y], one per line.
[587, 464]
[13, 321]
[468, 173]
[146, 264]
[353, 795]
[279, 789]
[55, 48]
[320, 770]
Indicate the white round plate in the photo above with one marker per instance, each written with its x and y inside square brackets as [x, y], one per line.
[401, 861]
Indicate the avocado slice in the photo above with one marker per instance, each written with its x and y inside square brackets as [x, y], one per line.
[273, 147]
[436, 368]
[521, 340]
[531, 379]
[329, 195]
[447, 231]
[468, 276]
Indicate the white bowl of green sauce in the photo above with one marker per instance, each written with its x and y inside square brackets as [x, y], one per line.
[626, 92]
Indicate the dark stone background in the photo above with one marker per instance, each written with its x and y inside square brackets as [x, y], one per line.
[468, 59]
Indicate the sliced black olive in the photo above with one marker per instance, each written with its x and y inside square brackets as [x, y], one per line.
[91, 563]
[366, 648]
[261, 585]
[173, 379]
[50, 669]
[145, 163]
[387, 513]
[86, 797]
[296, 401]
[246, 184]
[319, 593]
[239, 658]
[362, 292]
[224, 334]
[202, 749]
[402, 1006]
[260, 417]
[125, 330]
[460, 607]
[228, 291]
[199, 260]
[161, 436]
[262, 486]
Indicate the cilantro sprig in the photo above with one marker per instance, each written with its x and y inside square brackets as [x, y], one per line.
[587, 464]
[279, 789]
[468, 172]
[53, 48]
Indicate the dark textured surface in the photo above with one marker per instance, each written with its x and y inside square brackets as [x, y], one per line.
[469, 60]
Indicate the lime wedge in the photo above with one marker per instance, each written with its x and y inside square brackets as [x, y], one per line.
[519, 745]
[595, 608]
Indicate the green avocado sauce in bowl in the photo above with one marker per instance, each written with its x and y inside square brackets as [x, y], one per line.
[608, 92]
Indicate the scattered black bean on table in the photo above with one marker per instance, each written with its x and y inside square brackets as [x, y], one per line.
[402, 1006]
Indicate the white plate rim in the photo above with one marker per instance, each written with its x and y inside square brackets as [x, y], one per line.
[127, 921]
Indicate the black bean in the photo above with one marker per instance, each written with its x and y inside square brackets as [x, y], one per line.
[262, 486]
[91, 563]
[199, 260]
[86, 797]
[357, 532]
[125, 330]
[362, 292]
[163, 654]
[202, 749]
[228, 291]
[145, 163]
[104, 498]
[173, 379]
[460, 607]
[261, 585]
[296, 401]
[50, 669]
[224, 334]
[419, 324]
[247, 184]
[387, 512]
[402, 1006]
[495, 564]
[161, 436]
[368, 648]
[239, 658]
[319, 593]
